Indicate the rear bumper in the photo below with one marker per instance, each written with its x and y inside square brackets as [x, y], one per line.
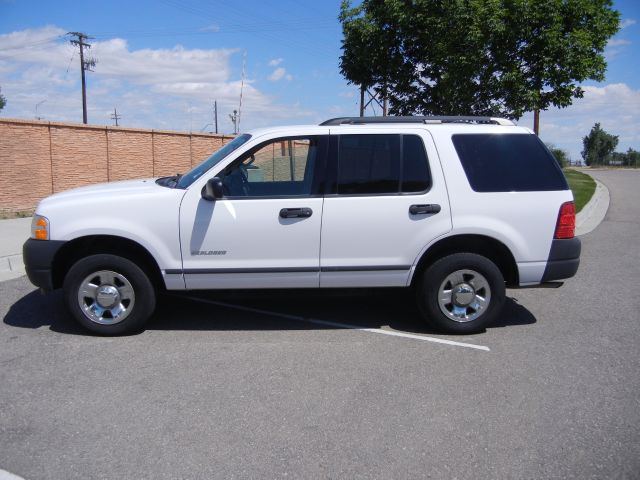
[564, 259]
[38, 258]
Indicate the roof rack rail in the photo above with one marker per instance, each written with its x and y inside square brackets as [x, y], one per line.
[416, 119]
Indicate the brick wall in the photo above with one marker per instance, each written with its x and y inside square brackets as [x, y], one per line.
[40, 158]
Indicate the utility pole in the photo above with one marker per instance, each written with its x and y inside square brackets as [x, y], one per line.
[234, 119]
[115, 116]
[215, 114]
[85, 65]
[37, 105]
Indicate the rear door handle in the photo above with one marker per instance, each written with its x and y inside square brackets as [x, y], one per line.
[424, 209]
[296, 212]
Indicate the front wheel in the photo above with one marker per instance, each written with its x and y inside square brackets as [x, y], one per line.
[461, 293]
[108, 294]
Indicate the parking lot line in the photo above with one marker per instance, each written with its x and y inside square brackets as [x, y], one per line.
[391, 333]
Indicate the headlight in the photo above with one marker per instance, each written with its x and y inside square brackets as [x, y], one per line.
[40, 227]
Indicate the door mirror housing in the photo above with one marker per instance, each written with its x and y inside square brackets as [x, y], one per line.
[213, 189]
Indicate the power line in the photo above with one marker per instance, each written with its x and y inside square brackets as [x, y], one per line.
[34, 44]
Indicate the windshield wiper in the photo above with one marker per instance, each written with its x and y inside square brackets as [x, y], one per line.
[170, 182]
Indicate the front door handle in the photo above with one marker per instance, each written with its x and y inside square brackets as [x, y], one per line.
[424, 209]
[296, 213]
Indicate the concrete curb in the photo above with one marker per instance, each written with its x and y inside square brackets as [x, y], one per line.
[13, 233]
[593, 213]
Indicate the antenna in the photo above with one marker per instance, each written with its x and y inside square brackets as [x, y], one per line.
[244, 63]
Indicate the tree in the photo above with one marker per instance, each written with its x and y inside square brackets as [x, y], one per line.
[3, 101]
[560, 155]
[598, 145]
[633, 158]
[475, 56]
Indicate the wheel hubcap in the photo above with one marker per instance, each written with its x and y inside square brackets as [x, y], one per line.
[106, 297]
[464, 295]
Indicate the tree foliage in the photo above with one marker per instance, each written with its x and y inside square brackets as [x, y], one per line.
[598, 145]
[3, 101]
[561, 156]
[484, 57]
[630, 158]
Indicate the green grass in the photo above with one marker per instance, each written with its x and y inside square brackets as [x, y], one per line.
[6, 214]
[582, 186]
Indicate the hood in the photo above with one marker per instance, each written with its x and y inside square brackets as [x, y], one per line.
[108, 194]
[113, 188]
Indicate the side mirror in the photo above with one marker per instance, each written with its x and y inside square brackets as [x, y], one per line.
[213, 189]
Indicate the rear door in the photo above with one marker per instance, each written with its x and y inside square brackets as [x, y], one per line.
[386, 201]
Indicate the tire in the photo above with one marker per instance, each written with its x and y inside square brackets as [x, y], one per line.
[461, 293]
[109, 295]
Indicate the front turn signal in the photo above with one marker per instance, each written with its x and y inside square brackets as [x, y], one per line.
[40, 228]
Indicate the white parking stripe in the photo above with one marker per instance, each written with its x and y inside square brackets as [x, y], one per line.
[4, 475]
[339, 325]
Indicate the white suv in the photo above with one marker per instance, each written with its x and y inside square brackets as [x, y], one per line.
[456, 208]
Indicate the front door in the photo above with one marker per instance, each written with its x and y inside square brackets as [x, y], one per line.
[265, 231]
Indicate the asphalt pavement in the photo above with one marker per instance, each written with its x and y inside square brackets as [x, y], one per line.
[232, 385]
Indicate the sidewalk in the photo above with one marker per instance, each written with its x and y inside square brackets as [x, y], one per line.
[13, 233]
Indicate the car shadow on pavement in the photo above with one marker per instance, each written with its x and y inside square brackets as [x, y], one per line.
[261, 310]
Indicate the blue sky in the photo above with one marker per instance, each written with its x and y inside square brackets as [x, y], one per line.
[162, 63]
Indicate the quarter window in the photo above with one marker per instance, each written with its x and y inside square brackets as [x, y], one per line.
[415, 168]
[496, 162]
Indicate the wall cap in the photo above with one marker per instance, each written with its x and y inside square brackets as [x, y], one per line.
[45, 123]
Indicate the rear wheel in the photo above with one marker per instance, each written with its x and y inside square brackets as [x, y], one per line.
[461, 293]
[108, 294]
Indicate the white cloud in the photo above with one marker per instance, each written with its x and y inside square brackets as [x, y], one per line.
[279, 74]
[275, 62]
[615, 106]
[618, 42]
[211, 28]
[152, 88]
[627, 22]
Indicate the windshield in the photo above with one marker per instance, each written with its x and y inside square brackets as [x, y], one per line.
[199, 170]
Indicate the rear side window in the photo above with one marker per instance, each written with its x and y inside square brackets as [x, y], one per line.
[508, 163]
[378, 164]
[369, 164]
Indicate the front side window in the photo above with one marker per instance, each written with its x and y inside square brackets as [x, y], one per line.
[280, 167]
[382, 164]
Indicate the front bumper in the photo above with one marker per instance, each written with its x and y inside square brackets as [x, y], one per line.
[564, 259]
[38, 256]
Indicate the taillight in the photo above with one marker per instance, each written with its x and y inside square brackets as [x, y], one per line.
[566, 226]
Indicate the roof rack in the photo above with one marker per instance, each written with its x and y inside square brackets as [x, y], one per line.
[424, 120]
